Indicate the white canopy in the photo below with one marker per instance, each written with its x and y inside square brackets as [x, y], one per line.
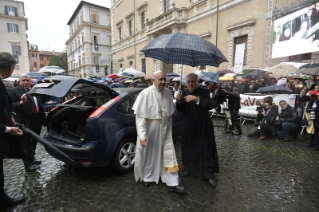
[134, 72]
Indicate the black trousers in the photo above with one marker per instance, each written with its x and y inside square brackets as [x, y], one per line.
[1, 180]
[234, 118]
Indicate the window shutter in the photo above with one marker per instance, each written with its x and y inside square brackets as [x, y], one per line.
[15, 11]
[13, 48]
[94, 18]
[98, 19]
[8, 25]
[6, 10]
[17, 28]
[19, 50]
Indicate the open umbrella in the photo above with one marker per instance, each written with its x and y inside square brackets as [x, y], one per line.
[275, 89]
[176, 79]
[310, 71]
[112, 76]
[257, 72]
[282, 68]
[172, 75]
[298, 75]
[309, 65]
[132, 71]
[226, 78]
[187, 49]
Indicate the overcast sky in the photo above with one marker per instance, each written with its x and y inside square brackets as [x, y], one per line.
[47, 21]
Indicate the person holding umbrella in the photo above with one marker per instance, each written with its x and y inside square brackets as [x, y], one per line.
[199, 152]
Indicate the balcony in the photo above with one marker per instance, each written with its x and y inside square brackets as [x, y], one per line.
[175, 18]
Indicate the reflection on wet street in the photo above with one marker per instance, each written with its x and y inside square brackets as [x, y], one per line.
[255, 175]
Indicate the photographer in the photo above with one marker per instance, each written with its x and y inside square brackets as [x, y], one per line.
[289, 121]
[233, 97]
[267, 125]
[313, 108]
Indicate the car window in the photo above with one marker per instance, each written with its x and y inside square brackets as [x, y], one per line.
[126, 106]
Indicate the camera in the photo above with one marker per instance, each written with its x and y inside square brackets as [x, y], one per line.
[219, 94]
[261, 107]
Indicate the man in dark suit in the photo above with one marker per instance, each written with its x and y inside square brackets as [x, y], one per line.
[7, 63]
[30, 114]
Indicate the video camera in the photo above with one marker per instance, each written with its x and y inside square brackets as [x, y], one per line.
[219, 94]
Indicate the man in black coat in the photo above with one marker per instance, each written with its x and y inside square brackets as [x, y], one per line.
[7, 63]
[199, 152]
[289, 121]
[30, 114]
[267, 125]
[142, 83]
[234, 105]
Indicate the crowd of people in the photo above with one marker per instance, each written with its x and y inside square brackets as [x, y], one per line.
[155, 157]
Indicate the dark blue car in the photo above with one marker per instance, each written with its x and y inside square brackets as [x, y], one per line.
[96, 128]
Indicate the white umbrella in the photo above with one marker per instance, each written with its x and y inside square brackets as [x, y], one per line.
[52, 70]
[134, 72]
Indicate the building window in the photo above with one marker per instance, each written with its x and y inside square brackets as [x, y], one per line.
[130, 27]
[95, 18]
[41, 57]
[13, 28]
[131, 64]
[35, 64]
[13, 11]
[120, 33]
[81, 17]
[143, 20]
[144, 66]
[48, 58]
[79, 41]
[95, 40]
[17, 67]
[83, 59]
[167, 5]
[82, 38]
[96, 60]
[78, 22]
[76, 43]
[79, 61]
[240, 40]
[16, 50]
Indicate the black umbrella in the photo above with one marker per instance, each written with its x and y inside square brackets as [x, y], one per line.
[170, 78]
[44, 142]
[275, 89]
[257, 72]
[310, 71]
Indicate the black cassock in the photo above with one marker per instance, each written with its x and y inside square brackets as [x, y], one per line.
[199, 152]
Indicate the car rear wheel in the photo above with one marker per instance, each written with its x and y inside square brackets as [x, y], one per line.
[124, 156]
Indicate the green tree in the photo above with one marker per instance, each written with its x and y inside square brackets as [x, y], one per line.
[60, 59]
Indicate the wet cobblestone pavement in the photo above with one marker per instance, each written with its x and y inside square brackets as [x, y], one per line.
[255, 175]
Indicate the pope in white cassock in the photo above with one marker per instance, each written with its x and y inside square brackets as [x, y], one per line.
[155, 154]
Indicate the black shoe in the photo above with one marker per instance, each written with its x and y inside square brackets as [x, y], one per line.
[287, 139]
[309, 145]
[32, 168]
[212, 183]
[315, 148]
[238, 132]
[8, 202]
[36, 162]
[186, 174]
[146, 184]
[178, 189]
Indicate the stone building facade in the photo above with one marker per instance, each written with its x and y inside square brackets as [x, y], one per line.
[89, 45]
[137, 22]
[13, 36]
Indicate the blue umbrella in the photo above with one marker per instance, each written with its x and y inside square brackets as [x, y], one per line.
[275, 89]
[172, 75]
[125, 74]
[117, 85]
[211, 74]
[210, 79]
[187, 49]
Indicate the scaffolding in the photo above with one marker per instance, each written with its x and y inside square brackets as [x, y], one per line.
[273, 13]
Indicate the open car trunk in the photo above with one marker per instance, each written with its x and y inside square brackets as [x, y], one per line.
[67, 122]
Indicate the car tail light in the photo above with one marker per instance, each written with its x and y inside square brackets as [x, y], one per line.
[98, 111]
[86, 162]
[66, 102]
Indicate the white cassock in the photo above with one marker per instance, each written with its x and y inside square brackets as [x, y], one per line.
[154, 109]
